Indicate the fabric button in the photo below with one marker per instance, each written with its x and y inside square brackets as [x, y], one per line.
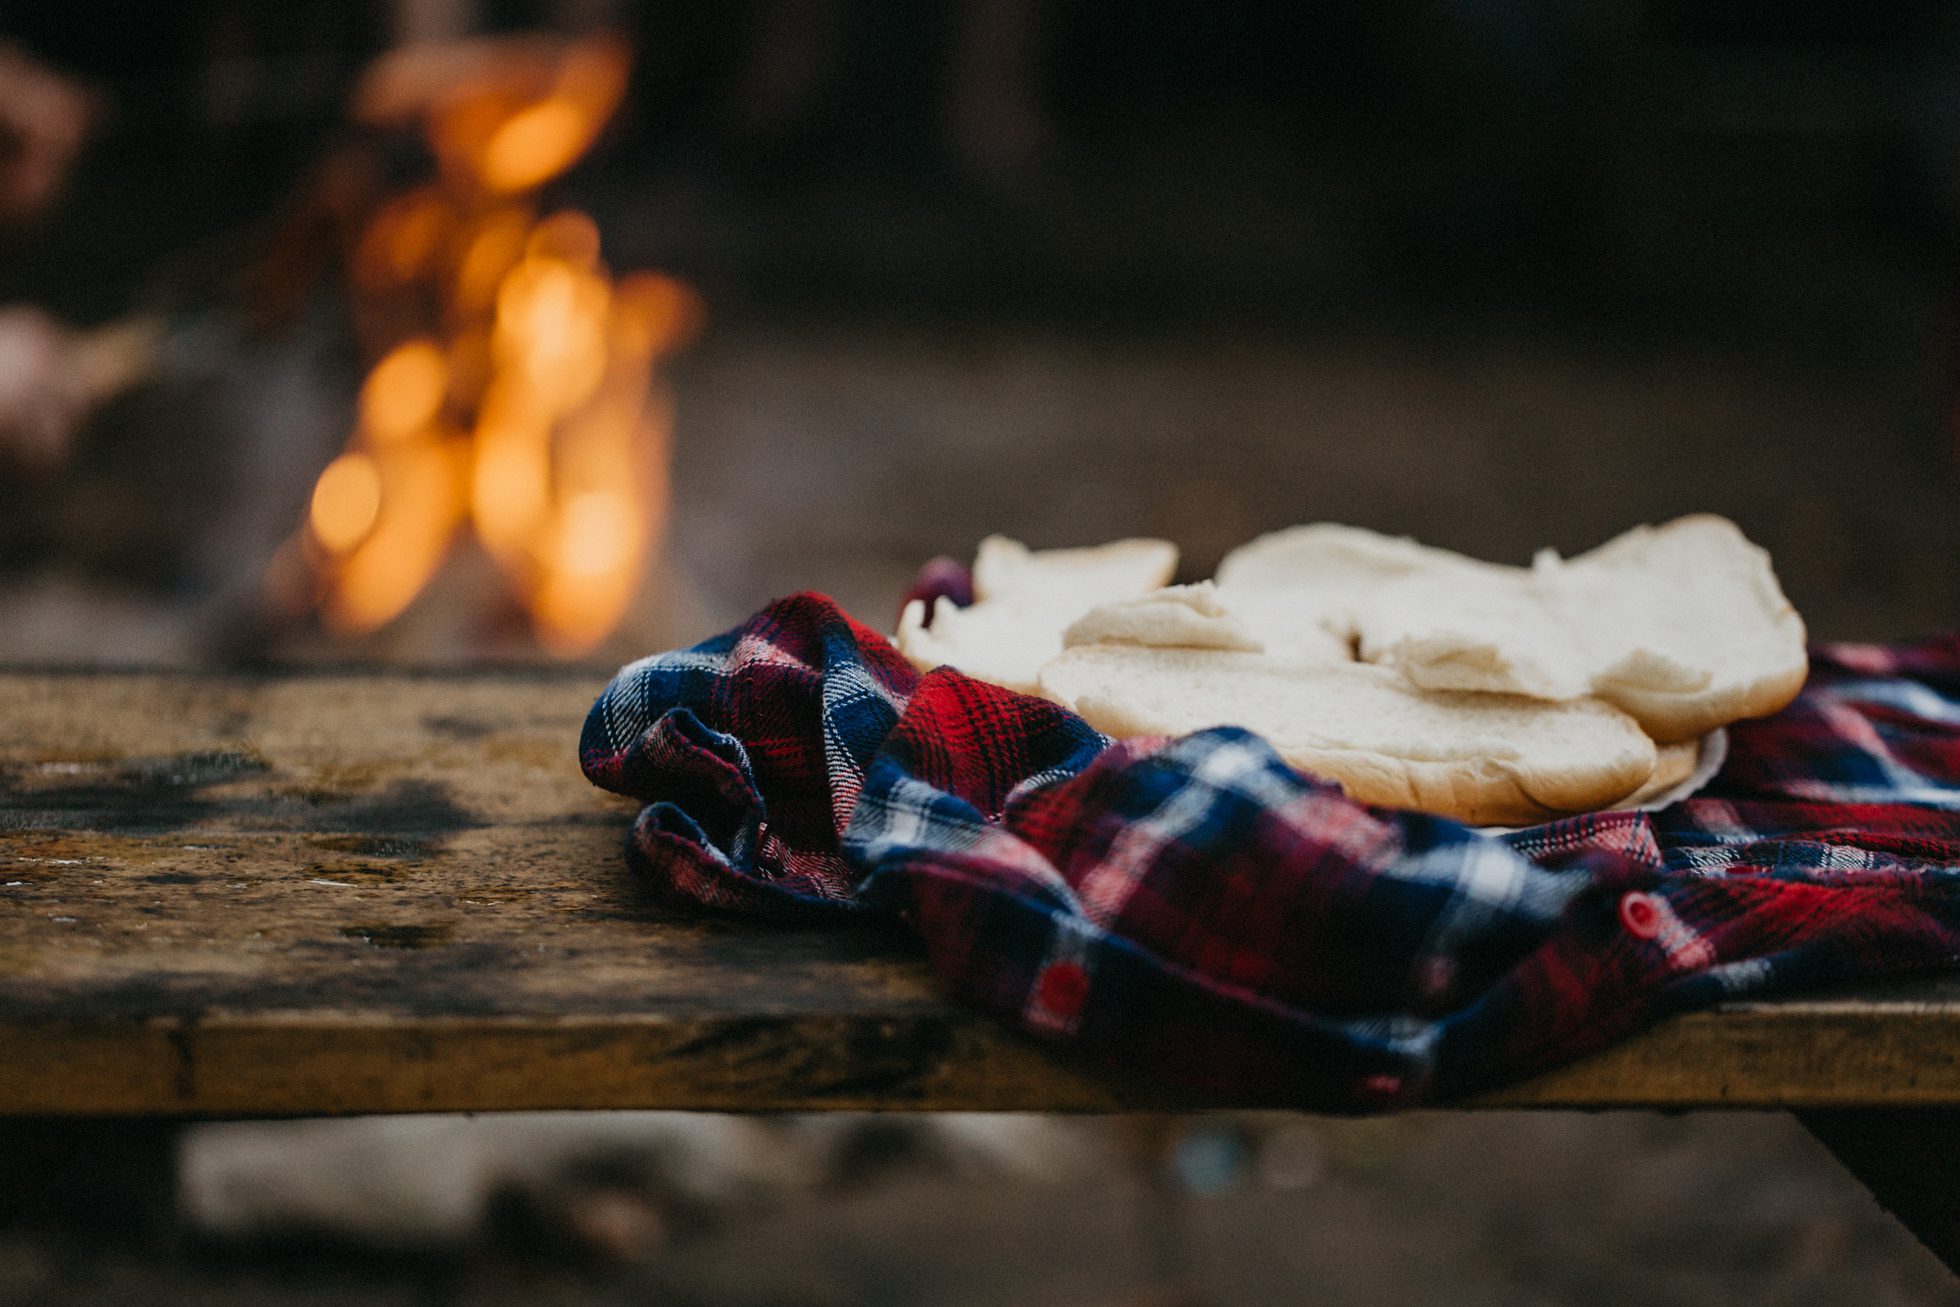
[1640, 914]
[1062, 988]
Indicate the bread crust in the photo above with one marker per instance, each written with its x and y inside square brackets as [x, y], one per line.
[1674, 713]
[1557, 630]
[1470, 786]
[1475, 791]
[1675, 717]
[1478, 792]
[1632, 672]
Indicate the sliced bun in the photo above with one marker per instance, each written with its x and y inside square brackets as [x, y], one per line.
[1413, 676]
[990, 641]
[1177, 617]
[1682, 625]
[1024, 601]
[1325, 558]
[1480, 758]
[1489, 630]
[1076, 579]
[1300, 589]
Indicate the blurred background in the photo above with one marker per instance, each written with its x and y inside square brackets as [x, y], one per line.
[450, 330]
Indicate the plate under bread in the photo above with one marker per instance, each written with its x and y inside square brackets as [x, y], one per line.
[1710, 754]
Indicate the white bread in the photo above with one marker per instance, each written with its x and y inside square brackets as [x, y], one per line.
[1480, 758]
[1445, 621]
[1177, 616]
[1300, 589]
[990, 641]
[1682, 625]
[1489, 630]
[1325, 557]
[1024, 600]
[1413, 676]
[1075, 579]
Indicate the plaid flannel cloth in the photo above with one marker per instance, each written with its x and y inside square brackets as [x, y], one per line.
[1198, 910]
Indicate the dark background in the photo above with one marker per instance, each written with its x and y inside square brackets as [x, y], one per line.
[1497, 275]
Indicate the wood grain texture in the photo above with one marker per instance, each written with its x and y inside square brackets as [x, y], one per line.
[326, 893]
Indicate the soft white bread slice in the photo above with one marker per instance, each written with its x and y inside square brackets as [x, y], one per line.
[1289, 625]
[1024, 600]
[1176, 617]
[1445, 621]
[1480, 758]
[1327, 558]
[1302, 590]
[990, 641]
[1490, 630]
[1075, 579]
[1683, 625]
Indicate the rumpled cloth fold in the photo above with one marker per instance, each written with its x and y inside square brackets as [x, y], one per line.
[1196, 910]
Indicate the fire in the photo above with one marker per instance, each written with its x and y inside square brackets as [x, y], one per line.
[517, 397]
[346, 502]
[404, 392]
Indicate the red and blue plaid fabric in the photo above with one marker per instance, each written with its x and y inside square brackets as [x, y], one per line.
[1198, 910]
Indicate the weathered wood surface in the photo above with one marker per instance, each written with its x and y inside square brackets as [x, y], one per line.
[328, 892]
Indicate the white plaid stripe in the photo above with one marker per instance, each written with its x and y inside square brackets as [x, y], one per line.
[1706, 860]
[756, 651]
[900, 818]
[1718, 819]
[1827, 792]
[1222, 769]
[1740, 978]
[1041, 780]
[1908, 697]
[1406, 1036]
[1488, 881]
[903, 818]
[630, 691]
[1685, 948]
[845, 687]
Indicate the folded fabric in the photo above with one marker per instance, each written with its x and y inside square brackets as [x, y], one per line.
[1196, 910]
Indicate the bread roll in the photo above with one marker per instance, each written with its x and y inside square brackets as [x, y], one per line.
[1480, 758]
[1024, 600]
[1683, 625]
[1176, 617]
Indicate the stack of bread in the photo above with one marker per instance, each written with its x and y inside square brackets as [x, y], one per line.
[1415, 677]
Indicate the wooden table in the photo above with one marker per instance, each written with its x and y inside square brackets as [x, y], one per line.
[316, 893]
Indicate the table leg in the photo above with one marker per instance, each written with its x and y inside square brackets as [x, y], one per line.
[1906, 1158]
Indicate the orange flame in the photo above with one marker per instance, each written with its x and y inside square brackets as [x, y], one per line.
[559, 467]
[346, 502]
[404, 392]
[411, 536]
